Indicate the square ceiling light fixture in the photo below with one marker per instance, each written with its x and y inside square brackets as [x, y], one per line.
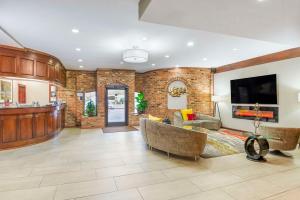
[135, 55]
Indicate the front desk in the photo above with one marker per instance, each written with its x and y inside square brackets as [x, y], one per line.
[22, 126]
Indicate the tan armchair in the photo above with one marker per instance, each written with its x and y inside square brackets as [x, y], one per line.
[285, 139]
[204, 121]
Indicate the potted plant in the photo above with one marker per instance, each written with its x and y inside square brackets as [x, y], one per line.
[90, 109]
[142, 104]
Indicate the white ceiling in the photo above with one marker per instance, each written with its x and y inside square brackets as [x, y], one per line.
[108, 27]
[6, 40]
[268, 20]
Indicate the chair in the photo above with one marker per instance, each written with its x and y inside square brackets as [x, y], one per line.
[285, 139]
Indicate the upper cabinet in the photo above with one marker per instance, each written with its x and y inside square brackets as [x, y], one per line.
[15, 62]
[8, 64]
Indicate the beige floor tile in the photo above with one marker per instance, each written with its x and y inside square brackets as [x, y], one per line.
[14, 172]
[185, 172]
[45, 193]
[82, 189]
[97, 164]
[225, 162]
[253, 171]
[288, 179]
[55, 169]
[168, 190]
[252, 190]
[215, 180]
[210, 195]
[70, 177]
[288, 195]
[118, 171]
[70, 161]
[20, 183]
[119, 195]
[160, 165]
[140, 179]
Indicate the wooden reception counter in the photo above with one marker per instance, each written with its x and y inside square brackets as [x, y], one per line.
[21, 126]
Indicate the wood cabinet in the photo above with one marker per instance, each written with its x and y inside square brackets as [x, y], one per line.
[26, 63]
[26, 67]
[41, 70]
[24, 126]
[8, 64]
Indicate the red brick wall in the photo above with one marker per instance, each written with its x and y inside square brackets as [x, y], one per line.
[155, 85]
[77, 81]
[106, 77]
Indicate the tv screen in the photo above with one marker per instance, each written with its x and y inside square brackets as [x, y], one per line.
[261, 89]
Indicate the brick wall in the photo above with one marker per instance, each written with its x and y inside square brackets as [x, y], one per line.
[106, 77]
[77, 81]
[155, 85]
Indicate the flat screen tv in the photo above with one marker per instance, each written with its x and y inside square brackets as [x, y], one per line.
[261, 89]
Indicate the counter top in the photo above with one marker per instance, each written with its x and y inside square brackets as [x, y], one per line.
[29, 109]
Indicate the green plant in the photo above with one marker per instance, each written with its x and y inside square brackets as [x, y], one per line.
[90, 109]
[142, 104]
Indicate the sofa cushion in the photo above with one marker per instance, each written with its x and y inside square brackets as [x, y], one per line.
[185, 112]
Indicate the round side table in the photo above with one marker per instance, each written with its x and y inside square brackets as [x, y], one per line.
[258, 154]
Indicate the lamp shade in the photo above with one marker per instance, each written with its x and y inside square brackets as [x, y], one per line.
[135, 56]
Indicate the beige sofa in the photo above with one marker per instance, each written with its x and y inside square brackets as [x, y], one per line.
[173, 139]
[285, 139]
[204, 121]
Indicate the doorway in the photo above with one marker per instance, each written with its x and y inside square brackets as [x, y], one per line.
[116, 105]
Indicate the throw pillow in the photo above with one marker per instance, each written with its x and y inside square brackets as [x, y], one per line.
[156, 119]
[184, 113]
[191, 117]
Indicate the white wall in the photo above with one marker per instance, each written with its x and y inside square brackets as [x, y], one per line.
[288, 83]
[35, 91]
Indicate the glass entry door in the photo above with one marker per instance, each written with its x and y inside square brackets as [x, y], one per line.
[116, 106]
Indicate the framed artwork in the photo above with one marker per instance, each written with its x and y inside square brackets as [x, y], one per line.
[6, 90]
[53, 93]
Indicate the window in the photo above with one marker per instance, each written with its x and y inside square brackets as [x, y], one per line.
[135, 102]
[90, 103]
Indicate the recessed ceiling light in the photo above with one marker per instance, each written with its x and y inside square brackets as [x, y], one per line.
[204, 59]
[167, 56]
[75, 30]
[80, 60]
[78, 49]
[144, 38]
[190, 44]
[153, 65]
[235, 49]
[81, 66]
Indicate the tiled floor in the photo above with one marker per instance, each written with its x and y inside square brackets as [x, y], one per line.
[89, 165]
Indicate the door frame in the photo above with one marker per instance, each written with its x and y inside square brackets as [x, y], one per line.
[116, 87]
